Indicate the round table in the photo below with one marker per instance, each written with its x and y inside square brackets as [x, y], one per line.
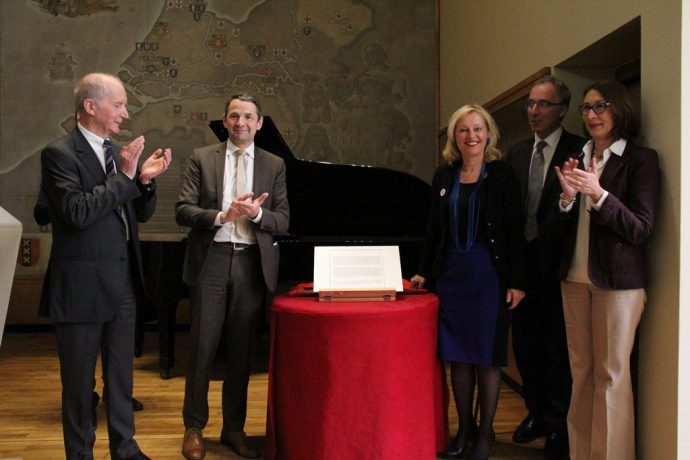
[355, 380]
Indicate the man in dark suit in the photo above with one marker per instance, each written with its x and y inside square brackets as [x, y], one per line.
[43, 215]
[539, 340]
[97, 196]
[231, 258]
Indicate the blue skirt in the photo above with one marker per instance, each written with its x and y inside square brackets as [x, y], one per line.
[469, 291]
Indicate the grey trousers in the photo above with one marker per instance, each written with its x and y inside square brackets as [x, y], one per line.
[228, 298]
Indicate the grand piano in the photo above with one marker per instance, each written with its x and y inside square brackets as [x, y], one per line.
[330, 205]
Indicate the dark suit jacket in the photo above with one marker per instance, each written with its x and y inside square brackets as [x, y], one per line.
[201, 198]
[504, 223]
[550, 239]
[88, 260]
[43, 213]
[624, 222]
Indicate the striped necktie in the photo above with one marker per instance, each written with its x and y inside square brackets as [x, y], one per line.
[109, 172]
[109, 158]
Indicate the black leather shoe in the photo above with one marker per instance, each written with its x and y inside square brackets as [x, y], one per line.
[136, 405]
[453, 451]
[556, 446]
[139, 456]
[529, 430]
[483, 445]
[457, 448]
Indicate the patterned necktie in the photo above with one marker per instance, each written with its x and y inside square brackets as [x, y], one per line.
[109, 158]
[109, 172]
[534, 187]
[242, 225]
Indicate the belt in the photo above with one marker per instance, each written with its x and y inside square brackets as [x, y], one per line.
[238, 247]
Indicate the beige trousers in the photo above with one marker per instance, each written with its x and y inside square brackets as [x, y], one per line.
[600, 325]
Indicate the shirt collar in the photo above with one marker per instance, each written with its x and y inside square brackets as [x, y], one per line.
[617, 148]
[232, 148]
[551, 140]
[91, 137]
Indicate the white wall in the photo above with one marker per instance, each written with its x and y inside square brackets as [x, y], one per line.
[489, 46]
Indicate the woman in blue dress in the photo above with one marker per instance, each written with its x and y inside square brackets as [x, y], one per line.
[473, 251]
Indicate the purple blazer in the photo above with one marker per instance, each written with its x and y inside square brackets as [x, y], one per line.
[618, 230]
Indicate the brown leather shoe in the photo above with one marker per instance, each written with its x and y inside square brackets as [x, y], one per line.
[193, 447]
[237, 441]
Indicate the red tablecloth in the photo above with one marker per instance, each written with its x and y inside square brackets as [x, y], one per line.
[355, 380]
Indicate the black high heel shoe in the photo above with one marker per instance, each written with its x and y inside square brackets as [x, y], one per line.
[458, 447]
[483, 445]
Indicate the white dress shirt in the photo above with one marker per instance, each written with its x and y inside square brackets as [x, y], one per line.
[96, 143]
[549, 149]
[226, 232]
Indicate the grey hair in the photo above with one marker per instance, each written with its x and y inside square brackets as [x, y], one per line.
[562, 89]
[92, 86]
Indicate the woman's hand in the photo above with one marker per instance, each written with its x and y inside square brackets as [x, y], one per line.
[514, 297]
[417, 281]
[585, 182]
[569, 191]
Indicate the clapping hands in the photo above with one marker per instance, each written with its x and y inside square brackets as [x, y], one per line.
[574, 180]
[155, 165]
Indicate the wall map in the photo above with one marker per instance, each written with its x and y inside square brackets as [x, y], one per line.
[346, 81]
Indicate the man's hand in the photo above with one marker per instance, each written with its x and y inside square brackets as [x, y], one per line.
[155, 165]
[243, 206]
[129, 157]
[248, 207]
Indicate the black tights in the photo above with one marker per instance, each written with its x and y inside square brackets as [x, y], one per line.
[463, 377]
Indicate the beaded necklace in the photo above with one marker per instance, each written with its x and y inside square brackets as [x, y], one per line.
[473, 206]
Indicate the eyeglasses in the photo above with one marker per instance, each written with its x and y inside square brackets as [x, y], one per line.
[599, 107]
[541, 104]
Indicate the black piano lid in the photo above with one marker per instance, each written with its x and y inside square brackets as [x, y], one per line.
[336, 202]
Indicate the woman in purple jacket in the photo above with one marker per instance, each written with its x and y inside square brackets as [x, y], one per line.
[609, 200]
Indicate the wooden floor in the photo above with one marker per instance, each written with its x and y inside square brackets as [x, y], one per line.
[30, 426]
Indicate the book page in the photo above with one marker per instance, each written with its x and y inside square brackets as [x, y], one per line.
[357, 268]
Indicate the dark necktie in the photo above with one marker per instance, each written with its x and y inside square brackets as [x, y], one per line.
[109, 172]
[534, 187]
[109, 158]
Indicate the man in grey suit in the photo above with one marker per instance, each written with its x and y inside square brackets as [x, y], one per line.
[96, 197]
[538, 327]
[234, 198]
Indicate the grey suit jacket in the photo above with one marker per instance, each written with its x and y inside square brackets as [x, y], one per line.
[86, 273]
[201, 198]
